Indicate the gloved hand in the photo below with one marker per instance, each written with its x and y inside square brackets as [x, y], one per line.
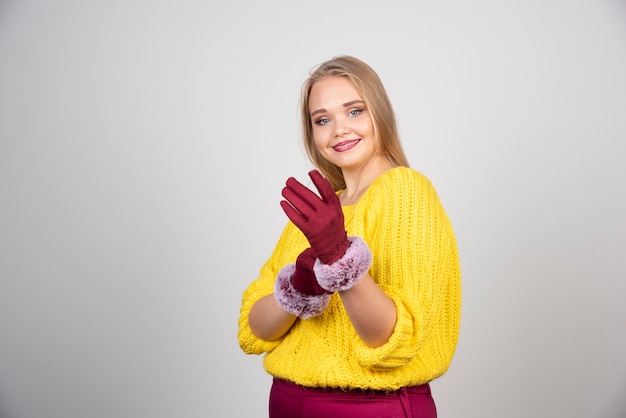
[296, 289]
[304, 280]
[320, 219]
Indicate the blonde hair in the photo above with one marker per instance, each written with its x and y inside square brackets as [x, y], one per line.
[373, 93]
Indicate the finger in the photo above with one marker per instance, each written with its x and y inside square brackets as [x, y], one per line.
[310, 253]
[307, 255]
[303, 193]
[293, 214]
[299, 204]
[323, 186]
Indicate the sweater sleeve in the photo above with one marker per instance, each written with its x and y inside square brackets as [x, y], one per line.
[416, 264]
[288, 246]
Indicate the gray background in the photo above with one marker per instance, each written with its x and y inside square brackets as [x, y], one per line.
[143, 146]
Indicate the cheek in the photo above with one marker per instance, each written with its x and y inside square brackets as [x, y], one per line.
[320, 135]
[367, 126]
[322, 146]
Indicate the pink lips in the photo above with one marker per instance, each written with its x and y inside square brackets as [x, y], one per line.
[346, 145]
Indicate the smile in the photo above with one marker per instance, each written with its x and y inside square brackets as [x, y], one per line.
[346, 145]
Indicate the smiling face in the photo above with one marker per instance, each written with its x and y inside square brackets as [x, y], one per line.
[342, 126]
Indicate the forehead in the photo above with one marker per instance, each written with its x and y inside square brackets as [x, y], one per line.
[334, 90]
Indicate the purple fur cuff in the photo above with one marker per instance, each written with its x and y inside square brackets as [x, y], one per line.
[294, 302]
[345, 272]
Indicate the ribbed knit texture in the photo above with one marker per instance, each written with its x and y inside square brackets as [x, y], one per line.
[415, 262]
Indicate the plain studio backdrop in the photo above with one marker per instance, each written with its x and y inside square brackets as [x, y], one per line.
[144, 144]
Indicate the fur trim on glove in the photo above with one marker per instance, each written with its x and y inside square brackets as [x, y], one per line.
[348, 270]
[294, 302]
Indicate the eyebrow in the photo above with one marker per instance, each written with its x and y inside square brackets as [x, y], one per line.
[346, 104]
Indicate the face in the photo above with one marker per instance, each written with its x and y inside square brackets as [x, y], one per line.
[343, 131]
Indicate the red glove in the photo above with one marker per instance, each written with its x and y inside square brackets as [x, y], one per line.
[304, 280]
[320, 220]
[296, 289]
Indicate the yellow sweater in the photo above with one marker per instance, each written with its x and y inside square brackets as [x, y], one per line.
[415, 262]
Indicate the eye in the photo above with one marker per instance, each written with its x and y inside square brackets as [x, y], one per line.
[322, 121]
[355, 112]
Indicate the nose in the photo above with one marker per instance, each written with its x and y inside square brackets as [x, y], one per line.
[341, 128]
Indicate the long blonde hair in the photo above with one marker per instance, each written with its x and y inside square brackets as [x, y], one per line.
[373, 93]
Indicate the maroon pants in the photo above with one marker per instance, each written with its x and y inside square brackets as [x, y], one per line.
[288, 400]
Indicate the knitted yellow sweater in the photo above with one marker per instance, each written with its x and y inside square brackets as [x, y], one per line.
[415, 263]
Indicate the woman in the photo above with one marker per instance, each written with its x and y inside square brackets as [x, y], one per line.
[358, 308]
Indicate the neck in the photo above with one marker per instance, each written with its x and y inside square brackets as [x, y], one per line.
[359, 179]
